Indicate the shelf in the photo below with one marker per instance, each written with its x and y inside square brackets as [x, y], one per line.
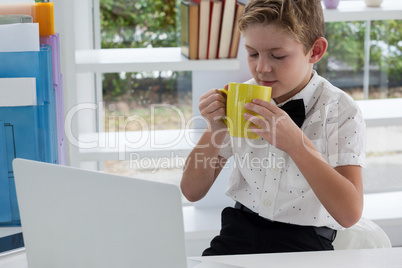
[357, 10]
[381, 112]
[106, 146]
[145, 59]
[113, 146]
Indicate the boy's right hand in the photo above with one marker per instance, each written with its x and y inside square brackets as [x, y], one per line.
[213, 108]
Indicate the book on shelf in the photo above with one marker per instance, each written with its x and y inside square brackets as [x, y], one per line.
[234, 47]
[189, 29]
[203, 31]
[225, 39]
[214, 28]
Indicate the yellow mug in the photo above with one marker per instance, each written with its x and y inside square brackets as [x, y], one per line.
[237, 96]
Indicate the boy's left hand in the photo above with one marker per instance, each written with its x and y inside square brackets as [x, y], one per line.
[276, 126]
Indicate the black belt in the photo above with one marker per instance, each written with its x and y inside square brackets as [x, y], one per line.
[325, 232]
[244, 208]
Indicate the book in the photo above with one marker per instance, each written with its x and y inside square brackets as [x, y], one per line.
[234, 47]
[226, 28]
[214, 28]
[189, 29]
[203, 28]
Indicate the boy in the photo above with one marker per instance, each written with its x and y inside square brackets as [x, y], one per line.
[313, 183]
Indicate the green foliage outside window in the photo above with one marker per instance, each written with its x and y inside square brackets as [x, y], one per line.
[346, 45]
[390, 58]
[141, 24]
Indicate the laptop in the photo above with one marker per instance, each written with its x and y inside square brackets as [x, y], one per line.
[77, 218]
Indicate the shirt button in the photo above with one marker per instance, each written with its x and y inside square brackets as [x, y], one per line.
[267, 203]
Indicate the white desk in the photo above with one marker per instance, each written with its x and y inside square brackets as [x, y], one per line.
[364, 258]
[15, 259]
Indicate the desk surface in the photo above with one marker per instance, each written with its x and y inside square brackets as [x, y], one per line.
[364, 258]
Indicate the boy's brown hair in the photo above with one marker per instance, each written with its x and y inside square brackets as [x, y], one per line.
[303, 19]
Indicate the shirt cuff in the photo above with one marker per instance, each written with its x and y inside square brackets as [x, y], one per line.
[347, 159]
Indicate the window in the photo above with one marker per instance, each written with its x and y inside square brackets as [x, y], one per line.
[144, 101]
[345, 61]
[144, 24]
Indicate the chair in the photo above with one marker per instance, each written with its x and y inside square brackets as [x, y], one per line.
[363, 235]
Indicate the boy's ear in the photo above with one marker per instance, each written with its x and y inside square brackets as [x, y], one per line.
[318, 49]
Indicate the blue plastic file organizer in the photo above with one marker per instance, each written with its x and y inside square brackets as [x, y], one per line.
[54, 42]
[19, 124]
[38, 65]
[7, 192]
[26, 131]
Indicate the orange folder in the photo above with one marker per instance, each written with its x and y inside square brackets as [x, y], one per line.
[44, 15]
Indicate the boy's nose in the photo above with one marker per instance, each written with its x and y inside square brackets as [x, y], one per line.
[263, 66]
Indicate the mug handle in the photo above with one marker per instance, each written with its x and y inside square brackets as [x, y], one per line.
[226, 92]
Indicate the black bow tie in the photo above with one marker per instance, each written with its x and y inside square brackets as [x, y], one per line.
[295, 109]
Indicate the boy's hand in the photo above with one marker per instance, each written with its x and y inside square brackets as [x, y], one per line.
[213, 107]
[276, 126]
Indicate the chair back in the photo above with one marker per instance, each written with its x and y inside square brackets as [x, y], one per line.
[363, 235]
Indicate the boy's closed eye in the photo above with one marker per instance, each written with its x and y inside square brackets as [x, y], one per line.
[278, 57]
[274, 55]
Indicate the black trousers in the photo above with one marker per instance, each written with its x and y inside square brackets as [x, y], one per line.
[247, 233]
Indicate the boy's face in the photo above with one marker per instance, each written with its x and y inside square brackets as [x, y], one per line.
[277, 60]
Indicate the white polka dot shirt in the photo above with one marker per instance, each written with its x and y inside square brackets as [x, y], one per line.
[267, 181]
